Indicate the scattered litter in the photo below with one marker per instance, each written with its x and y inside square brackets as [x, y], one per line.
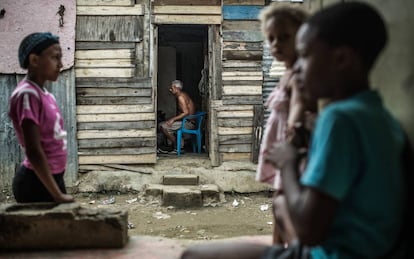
[193, 213]
[269, 223]
[92, 202]
[160, 215]
[264, 207]
[247, 198]
[204, 186]
[131, 200]
[131, 225]
[211, 204]
[111, 200]
[153, 203]
[188, 211]
[242, 202]
[235, 203]
[170, 207]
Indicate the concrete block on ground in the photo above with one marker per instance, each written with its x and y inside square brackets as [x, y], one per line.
[177, 179]
[47, 226]
[210, 192]
[154, 189]
[181, 197]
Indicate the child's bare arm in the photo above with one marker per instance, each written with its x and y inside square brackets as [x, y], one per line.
[37, 158]
[296, 106]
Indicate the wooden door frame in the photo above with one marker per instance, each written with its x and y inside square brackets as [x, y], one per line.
[214, 82]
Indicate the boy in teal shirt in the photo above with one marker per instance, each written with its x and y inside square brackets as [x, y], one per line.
[349, 203]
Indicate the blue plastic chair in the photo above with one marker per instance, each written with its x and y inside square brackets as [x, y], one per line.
[197, 131]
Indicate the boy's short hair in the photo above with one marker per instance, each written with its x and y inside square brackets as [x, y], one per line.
[357, 25]
[178, 84]
[295, 14]
[35, 43]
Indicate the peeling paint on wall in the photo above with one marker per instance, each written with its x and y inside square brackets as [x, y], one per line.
[23, 17]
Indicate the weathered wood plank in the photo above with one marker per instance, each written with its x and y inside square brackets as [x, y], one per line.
[102, 63]
[106, 2]
[241, 12]
[242, 54]
[187, 2]
[235, 114]
[112, 83]
[117, 143]
[110, 10]
[232, 108]
[241, 74]
[257, 83]
[119, 159]
[186, 19]
[109, 28]
[98, 109]
[235, 131]
[91, 134]
[180, 9]
[242, 69]
[83, 100]
[107, 92]
[242, 63]
[240, 100]
[236, 156]
[233, 148]
[258, 115]
[242, 90]
[116, 125]
[256, 78]
[235, 139]
[104, 54]
[244, 2]
[104, 72]
[229, 25]
[138, 169]
[116, 151]
[235, 122]
[243, 36]
[115, 117]
[231, 45]
[94, 45]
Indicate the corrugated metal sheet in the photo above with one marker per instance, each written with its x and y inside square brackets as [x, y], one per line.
[10, 152]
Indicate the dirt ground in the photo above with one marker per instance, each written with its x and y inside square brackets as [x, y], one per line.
[236, 215]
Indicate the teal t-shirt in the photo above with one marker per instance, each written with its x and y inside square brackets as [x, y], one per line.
[355, 158]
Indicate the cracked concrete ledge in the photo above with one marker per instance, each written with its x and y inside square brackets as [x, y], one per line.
[40, 226]
[230, 176]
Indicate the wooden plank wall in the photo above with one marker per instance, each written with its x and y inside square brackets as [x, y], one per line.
[242, 78]
[115, 107]
[11, 155]
[185, 12]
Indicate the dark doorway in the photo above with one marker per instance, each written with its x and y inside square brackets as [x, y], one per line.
[183, 55]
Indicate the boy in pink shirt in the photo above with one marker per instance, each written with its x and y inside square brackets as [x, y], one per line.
[39, 124]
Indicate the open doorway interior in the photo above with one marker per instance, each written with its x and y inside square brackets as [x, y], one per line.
[182, 55]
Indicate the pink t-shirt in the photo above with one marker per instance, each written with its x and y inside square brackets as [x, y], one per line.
[28, 101]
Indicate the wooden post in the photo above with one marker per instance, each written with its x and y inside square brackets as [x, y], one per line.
[257, 132]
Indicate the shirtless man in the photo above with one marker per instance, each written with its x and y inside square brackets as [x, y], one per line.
[185, 107]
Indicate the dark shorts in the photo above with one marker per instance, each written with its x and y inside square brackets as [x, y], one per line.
[28, 188]
[293, 251]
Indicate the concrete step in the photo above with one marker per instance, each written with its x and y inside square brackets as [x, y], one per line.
[52, 226]
[180, 179]
[184, 196]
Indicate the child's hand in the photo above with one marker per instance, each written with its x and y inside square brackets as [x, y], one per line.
[280, 154]
[64, 198]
